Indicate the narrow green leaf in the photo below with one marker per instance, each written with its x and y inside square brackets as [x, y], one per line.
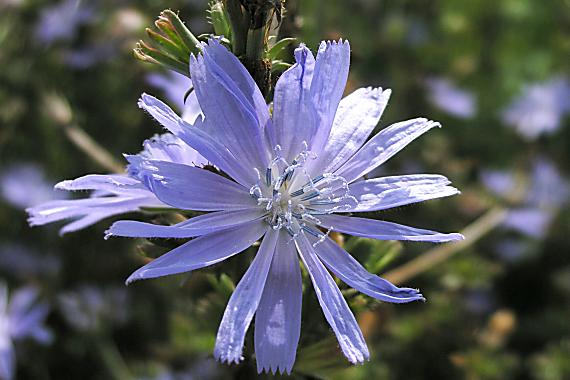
[279, 47]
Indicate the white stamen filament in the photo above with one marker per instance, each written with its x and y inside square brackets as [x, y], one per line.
[296, 210]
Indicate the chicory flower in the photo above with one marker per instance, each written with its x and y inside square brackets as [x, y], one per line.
[292, 173]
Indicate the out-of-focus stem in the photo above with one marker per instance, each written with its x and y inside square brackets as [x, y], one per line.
[113, 360]
[84, 142]
[475, 231]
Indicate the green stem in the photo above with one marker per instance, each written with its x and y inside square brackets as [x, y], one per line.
[239, 22]
[113, 359]
[255, 44]
[95, 151]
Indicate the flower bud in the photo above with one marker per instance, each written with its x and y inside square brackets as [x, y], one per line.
[170, 45]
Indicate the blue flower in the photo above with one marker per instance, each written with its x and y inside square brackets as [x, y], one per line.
[92, 309]
[293, 166]
[112, 194]
[541, 196]
[540, 108]
[24, 185]
[62, 20]
[21, 318]
[451, 99]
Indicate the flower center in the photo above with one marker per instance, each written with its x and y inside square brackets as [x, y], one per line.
[294, 199]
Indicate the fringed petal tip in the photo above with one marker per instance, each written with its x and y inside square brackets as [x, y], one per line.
[358, 357]
[275, 369]
[407, 295]
[419, 296]
[144, 98]
[434, 124]
[136, 276]
[108, 234]
[228, 358]
[33, 217]
[64, 185]
[457, 237]
[327, 43]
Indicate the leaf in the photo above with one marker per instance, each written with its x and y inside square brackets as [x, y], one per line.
[274, 52]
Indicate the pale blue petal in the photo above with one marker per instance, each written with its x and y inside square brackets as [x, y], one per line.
[197, 226]
[248, 89]
[89, 220]
[244, 301]
[530, 221]
[26, 316]
[293, 110]
[230, 117]
[383, 146]
[198, 139]
[356, 117]
[388, 192]
[89, 211]
[345, 267]
[377, 229]
[112, 183]
[28, 324]
[22, 300]
[190, 188]
[168, 147]
[327, 87]
[278, 317]
[202, 252]
[334, 305]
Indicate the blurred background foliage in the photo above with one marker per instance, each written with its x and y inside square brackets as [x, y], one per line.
[495, 73]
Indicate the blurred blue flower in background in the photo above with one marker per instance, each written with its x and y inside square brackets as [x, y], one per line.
[537, 198]
[24, 262]
[24, 185]
[62, 20]
[21, 317]
[447, 97]
[92, 308]
[540, 108]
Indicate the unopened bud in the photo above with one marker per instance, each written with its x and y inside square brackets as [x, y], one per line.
[170, 45]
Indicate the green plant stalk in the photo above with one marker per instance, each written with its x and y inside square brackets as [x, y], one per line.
[239, 22]
[255, 45]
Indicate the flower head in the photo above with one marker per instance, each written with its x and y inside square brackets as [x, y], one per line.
[290, 178]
